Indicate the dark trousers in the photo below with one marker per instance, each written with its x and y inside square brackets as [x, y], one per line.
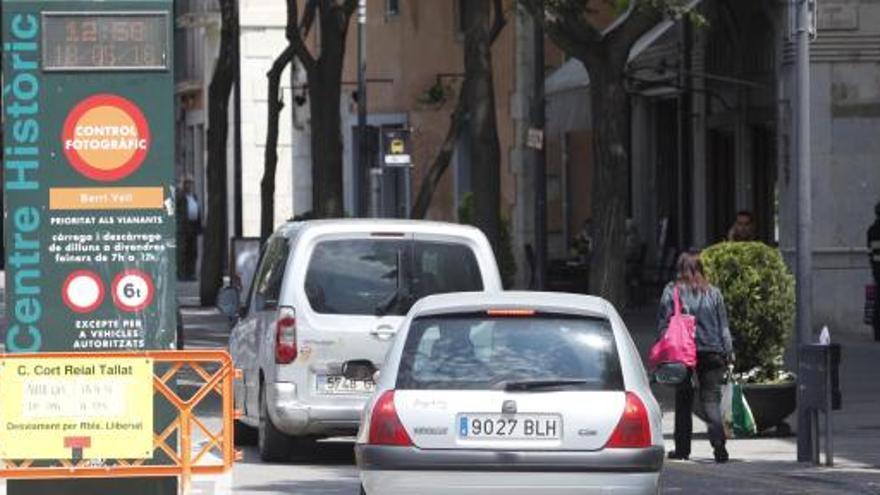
[877, 303]
[710, 372]
[187, 254]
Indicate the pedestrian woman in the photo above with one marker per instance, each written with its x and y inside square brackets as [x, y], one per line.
[714, 351]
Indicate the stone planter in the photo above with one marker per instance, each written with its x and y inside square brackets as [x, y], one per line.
[771, 403]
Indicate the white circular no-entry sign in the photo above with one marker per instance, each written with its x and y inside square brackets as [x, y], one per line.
[82, 291]
[133, 290]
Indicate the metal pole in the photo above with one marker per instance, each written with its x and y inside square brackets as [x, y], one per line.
[804, 217]
[407, 190]
[538, 121]
[237, 189]
[362, 160]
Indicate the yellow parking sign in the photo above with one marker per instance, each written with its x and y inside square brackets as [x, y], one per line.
[76, 408]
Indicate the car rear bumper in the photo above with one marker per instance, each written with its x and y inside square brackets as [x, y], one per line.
[385, 458]
[296, 417]
[507, 483]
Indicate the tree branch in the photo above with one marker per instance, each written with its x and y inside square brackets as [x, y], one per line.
[308, 18]
[499, 22]
[566, 24]
[294, 34]
[643, 16]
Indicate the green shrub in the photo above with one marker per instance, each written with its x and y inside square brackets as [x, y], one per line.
[504, 250]
[759, 292]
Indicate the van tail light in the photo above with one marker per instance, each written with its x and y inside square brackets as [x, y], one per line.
[633, 431]
[385, 425]
[285, 336]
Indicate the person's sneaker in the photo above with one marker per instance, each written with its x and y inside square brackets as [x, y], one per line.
[721, 455]
[674, 455]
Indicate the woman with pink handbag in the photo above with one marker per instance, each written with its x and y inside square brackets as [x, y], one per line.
[691, 294]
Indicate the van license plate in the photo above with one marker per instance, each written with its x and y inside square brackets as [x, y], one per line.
[336, 384]
[510, 427]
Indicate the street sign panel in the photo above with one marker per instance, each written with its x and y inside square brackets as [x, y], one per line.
[89, 197]
[69, 408]
[396, 147]
[89, 180]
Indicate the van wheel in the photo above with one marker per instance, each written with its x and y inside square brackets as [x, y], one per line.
[243, 434]
[273, 444]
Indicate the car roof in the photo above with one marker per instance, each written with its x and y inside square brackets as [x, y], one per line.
[291, 229]
[548, 302]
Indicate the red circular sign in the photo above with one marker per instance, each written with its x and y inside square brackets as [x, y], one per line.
[106, 137]
[132, 290]
[82, 291]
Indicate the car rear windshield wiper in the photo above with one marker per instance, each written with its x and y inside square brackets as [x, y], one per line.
[526, 385]
[399, 294]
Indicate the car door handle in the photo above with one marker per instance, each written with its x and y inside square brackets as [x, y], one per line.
[384, 333]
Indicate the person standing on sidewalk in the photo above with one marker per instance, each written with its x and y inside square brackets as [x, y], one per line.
[714, 353]
[874, 255]
[189, 226]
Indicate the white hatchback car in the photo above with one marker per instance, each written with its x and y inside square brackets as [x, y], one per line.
[511, 393]
[331, 291]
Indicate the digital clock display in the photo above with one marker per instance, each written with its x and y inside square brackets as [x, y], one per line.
[105, 41]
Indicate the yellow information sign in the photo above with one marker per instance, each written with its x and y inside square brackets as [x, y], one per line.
[76, 408]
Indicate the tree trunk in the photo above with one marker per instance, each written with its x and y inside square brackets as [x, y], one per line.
[325, 93]
[482, 122]
[276, 105]
[441, 161]
[216, 223]
[610, 107]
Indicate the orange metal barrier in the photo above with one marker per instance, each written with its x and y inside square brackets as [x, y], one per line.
[183, 461]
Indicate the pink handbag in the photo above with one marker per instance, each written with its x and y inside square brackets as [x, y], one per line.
[677, 344]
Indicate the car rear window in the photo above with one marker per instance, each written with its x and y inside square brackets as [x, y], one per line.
[386, 276]
[481, 352]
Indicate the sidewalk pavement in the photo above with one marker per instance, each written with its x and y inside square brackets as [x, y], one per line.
[770, 462]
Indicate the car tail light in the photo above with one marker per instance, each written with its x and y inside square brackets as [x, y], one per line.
[510, 312]
[285, 336]
[385, 425]
[633, 431]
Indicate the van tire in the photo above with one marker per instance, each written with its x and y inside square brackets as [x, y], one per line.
[273, 444]
[243, 434]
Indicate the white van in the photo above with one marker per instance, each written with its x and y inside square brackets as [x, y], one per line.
[332, 291]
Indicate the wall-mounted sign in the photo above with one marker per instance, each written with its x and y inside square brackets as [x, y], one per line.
[837, 15]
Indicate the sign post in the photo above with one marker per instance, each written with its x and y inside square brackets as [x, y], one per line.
[396, 151]
[89, 189]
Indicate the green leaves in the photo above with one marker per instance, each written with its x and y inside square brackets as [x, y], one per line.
[759, 292]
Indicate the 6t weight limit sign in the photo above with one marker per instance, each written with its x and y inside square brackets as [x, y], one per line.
[133, 290]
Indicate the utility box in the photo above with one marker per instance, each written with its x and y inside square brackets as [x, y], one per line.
[821, 377]
[819, 382]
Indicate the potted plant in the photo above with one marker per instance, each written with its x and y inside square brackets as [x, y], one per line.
[759, 292]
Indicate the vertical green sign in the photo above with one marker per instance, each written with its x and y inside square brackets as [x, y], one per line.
[88, 94]
[89, 175]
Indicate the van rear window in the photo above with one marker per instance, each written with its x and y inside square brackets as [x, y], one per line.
[483, 352]
[386, 276]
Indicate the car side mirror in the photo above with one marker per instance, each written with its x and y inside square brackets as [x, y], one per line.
[359, 369]
[228, 301]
